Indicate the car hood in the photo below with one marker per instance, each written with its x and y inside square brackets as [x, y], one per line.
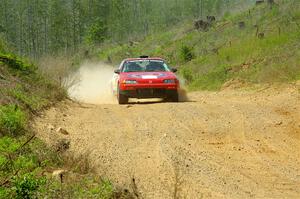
[148, 75]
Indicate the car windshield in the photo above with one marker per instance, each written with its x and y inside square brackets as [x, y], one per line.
[145, 66]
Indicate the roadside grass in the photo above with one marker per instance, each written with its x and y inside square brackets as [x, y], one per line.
[206, 60]
[58, 69]
[79, 187]
[22, 164]
[26, 172]
[13, 120]
[27, 165]
[23, 93]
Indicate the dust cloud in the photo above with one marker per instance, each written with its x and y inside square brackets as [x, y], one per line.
[93, 84]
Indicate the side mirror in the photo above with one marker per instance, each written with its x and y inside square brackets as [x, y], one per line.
[117, 71]
[174, 70]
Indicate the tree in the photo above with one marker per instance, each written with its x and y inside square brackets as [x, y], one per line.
[96, 33]
[39, 27]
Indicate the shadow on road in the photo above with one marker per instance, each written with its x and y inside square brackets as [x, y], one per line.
[155, 101]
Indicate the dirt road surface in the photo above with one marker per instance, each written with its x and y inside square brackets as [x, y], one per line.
[228, 144]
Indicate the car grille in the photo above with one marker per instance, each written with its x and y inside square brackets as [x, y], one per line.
[151, 92]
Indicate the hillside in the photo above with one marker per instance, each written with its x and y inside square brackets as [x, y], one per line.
[28, 167]
[259, 45]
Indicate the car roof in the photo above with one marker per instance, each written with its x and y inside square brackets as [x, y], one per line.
[148, 58]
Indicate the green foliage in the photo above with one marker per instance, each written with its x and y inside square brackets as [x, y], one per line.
[226, 51]
[28, 161]
[3, 161]
[12, 120]
[26, 87]
[210, 81]
[186, 53]
[16, 63]
[64, 25]
[32, 102]
[85, 186]
[105, 190]
[26, 186]
[4, 193]
[187, 74]
[97, 33]
[8, 144]
[3, 45]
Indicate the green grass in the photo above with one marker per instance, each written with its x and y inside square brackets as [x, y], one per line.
[25, 167]
[16, 63]
[21, 166]
[86, 187]
[208, 59]
[32, 102]
[13, 120]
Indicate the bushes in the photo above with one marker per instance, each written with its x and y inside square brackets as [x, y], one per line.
[186, 53]
[33, 102]
[26, 87]
[3, 44]
[26, 185]
[12, 120]
[16, 63]
[21, 166]
[212, 80]
[187, 74]
[97, 33]
[202, 56]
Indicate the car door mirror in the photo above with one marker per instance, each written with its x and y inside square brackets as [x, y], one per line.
[174, 70]
[117, 71]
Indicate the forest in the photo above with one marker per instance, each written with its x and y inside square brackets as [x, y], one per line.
[41, 27]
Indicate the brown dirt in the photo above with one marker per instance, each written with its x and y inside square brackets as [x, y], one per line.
[229, 144]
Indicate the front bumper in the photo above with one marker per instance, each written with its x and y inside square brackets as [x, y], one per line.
[141, 91]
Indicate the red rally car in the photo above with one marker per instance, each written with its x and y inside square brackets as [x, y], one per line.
[145, 77]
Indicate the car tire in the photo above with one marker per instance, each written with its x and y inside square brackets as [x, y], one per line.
[173, 97]
[122, 99]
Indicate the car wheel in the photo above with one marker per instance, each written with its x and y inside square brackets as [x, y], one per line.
[173, 97]
[122, 99]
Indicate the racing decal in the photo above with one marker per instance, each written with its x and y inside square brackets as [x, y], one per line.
[143, 60]
[149, 77]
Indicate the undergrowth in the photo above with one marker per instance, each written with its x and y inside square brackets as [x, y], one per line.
[26, 163]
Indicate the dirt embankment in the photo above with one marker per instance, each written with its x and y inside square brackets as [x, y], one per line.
[229, 144]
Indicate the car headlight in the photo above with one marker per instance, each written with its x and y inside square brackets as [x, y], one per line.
[169, 81]
[129, 82]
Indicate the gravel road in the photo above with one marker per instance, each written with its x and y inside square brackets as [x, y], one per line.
[230, 144]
